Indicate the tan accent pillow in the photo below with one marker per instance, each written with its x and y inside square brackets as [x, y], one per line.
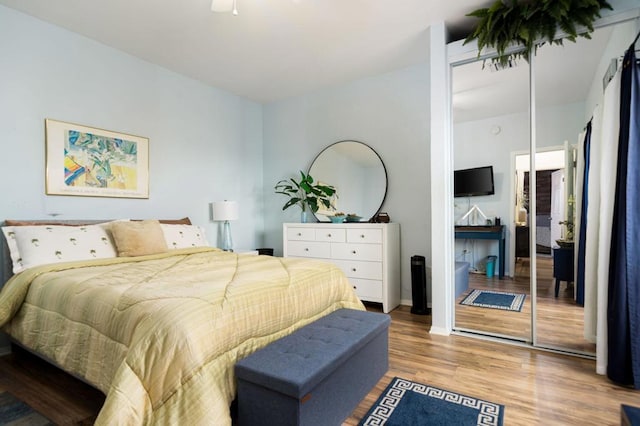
[138, 238]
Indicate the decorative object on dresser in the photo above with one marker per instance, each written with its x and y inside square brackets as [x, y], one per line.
[368, 253]
[358, 175]
[91, 162]
[224, 211]
[307, 194]
[381, 217]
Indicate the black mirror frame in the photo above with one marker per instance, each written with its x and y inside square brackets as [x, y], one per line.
[384, 168]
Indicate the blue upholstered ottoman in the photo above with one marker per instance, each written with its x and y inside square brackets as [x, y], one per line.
[318, 374]
[629, 416]
[462, 277]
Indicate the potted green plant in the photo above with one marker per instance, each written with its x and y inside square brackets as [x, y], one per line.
[306, 193]
[531, 23]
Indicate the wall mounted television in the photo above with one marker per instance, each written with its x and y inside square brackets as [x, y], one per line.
[473, 182]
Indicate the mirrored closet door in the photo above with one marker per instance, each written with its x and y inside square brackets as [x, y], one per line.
[569, 82]
[490, 110]
[500, 116]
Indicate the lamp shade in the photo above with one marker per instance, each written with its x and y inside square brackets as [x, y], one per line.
[225, 210]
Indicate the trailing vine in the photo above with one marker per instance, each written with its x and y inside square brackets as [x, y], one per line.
[531, 23]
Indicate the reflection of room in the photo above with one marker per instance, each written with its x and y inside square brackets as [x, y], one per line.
[496, 130]
[551, 201]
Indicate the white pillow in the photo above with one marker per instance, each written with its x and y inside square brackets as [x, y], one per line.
[184, 236]
[16, 259]
[39, 245]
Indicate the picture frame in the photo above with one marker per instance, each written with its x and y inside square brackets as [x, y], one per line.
[91, 162]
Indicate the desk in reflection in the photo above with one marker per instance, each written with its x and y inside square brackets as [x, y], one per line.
[485, 233]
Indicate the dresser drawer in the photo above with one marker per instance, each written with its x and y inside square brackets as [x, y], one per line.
[367, 236]
[301, 234]
[358, 269]
[367, 252]
[335, 235]
[369, 290]
[309, 249]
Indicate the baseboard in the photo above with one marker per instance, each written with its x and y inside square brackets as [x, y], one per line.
[409, 302]
[440, 331]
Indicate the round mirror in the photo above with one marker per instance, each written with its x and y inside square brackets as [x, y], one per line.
[359, 176]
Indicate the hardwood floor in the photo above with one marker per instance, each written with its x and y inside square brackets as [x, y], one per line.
[537, 388]
[58, 396]
[560, 321]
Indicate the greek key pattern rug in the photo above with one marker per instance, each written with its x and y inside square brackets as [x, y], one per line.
[404, 403]
[495, 300]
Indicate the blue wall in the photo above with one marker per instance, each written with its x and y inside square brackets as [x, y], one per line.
[205, 143]
[390, 113]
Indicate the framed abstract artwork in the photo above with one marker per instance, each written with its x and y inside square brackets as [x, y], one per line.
[90, 162]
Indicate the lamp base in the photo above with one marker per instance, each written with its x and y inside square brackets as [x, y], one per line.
[227, 242]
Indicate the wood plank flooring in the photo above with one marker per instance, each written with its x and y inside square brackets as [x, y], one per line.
[537, 388]
[560, 321]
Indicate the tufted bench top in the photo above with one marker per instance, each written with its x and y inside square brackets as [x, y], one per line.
[297, 363]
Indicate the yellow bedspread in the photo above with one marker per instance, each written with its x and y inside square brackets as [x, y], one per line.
[159, 335]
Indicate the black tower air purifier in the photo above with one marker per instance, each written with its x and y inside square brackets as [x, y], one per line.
[419, 286]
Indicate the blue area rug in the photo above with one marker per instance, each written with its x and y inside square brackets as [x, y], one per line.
[495, 300]
[407, 403]
[15, 412]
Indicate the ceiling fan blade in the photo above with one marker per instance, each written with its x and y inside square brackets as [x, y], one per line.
[221, 5]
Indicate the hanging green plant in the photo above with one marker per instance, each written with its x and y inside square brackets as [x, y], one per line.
[531, 23]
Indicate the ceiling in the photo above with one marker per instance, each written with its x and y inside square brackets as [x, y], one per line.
[563, 75]
[276, 49]
[273, 49]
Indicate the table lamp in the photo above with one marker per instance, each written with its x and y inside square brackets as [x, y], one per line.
[225, 211]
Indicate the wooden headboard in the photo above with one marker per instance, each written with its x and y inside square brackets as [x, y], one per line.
[6, 267]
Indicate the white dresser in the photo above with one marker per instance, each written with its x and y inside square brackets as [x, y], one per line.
[368, 253]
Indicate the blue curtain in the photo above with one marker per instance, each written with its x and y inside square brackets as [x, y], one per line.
[582, 232]
[623, 310]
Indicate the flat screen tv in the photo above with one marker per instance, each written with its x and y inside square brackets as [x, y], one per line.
[473, 182]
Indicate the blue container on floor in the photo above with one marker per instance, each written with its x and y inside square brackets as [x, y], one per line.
[491, 265]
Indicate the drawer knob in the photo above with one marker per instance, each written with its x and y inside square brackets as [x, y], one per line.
[353, 269]
[306, 249]
[329, 235]
[355, 288]
[354, 252]
[299, 234]
[362, 236]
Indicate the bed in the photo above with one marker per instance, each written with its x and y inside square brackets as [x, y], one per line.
[159, 333]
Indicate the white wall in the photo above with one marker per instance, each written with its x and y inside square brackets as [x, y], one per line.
[205, 144]
[621, 37]
[389, 113]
